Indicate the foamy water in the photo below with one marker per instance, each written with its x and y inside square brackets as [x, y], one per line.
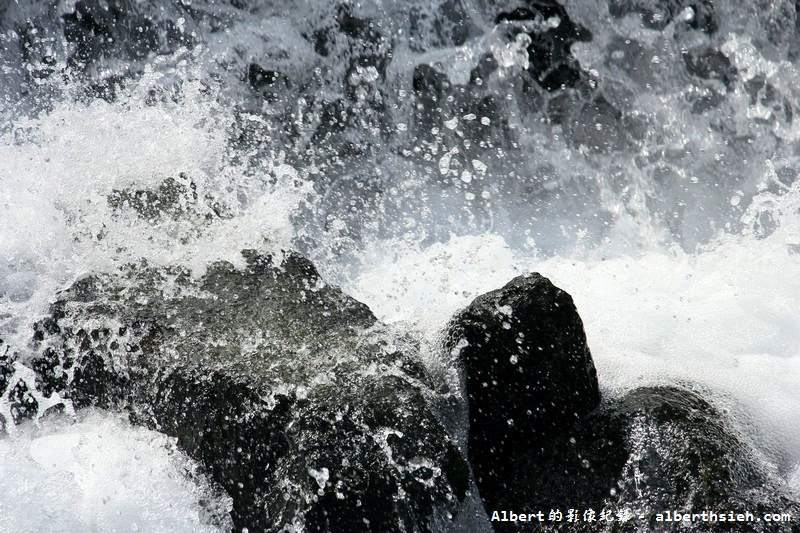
[59, 169]
[724, 320]
[100, 473]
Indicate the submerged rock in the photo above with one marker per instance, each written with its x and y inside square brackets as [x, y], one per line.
[710, 64]
[657, 14]
[529, 376]
[265, 376]
[551, 34]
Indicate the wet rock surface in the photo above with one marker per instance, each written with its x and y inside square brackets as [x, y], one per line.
[541, 440]
[550, 33]
[529, 375]
[266, 376]
[556, 126]
[653, 449]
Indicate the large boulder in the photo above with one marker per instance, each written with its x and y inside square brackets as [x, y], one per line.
[529, 375]
[294, 398]
[540, 440]
[655, 449]
[681, 453]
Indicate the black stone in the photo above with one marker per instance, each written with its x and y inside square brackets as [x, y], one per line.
[260, 77]
[290, 394]
[552, 64]
[529, 375]
[653, 449]
[6, 364]
[601, 127]
[94, 28]
[431, 87]
[171, 200]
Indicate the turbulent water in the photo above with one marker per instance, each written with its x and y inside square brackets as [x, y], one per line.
[415, 153]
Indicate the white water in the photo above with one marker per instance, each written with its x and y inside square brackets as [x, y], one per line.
[725, 319]
[708, 297]
[100, 473]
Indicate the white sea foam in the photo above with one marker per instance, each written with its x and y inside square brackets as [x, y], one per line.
[102, 474]
[724, 319]
[59, 168]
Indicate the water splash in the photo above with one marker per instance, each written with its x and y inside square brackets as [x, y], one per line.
[407, 149]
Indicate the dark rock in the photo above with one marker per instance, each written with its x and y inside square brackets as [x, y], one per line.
[652, 450]
[657, 14]
[703, 103]
[529, 375]
[20, 399]
[118, 28]
[265, 375]
[102, 43]
[260, 77]
[6, 372]
[764, 94]
[552, 64]
[37, 50]
[794, 47]
[353, 40]
[6, 362]
[348, 100]
[270, 84]
[437, 98]
[177, 206]
[173, 199]
[544, 30]
[431, 87]
[686, 454]
[448, 24]
[17, 403]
